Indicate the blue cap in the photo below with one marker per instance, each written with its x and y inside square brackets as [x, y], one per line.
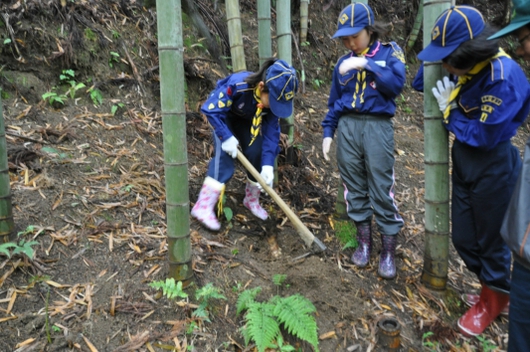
[282, 83]
[520, 19]
[452, 28]
[353, 19]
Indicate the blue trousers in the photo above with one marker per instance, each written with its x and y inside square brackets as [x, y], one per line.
[519, 325]
[222, 166]
[483, 182]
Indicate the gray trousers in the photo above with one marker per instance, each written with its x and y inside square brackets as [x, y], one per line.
[365, 156]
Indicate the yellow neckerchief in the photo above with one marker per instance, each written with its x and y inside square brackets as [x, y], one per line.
[220, 202]
[256, 120]
[360, 84]
[466, 78]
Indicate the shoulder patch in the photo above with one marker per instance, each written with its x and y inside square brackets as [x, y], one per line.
[398, 52]
[491, 99]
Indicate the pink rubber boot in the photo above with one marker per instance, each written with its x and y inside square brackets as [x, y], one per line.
[251, 201]
[204, 208]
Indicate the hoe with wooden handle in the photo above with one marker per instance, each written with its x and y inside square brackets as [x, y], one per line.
[310, 240]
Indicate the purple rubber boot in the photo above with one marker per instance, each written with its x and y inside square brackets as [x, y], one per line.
[387, 265]
[361, 256]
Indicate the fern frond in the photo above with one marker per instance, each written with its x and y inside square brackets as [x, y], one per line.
[294, 312]
[245, 298]
[261, 326]
[208, 292]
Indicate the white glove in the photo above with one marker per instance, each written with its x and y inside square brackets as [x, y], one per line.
[230, 146]
[353, 62]
[443, 93]
[326, 144]
[267, 173]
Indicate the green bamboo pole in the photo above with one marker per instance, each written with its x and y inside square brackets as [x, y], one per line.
[435, 260]
[283, 30]
[418, 21]
[7, 223]
[171, 62]
[237, 52]
[264, 30]
[304, 15]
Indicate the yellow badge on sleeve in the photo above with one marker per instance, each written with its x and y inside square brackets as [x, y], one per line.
[211, 106]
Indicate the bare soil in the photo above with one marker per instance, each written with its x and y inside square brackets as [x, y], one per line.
[91, 183]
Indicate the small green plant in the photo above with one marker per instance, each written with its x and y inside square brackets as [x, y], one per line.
[53, 97]
[431, 345]
[55, 328]
[279, 279]
[227, 211]
[264, 319]
[127, 188]
[170, 288]
[317, 83]
[306, 43]
[235, 251]
[115, 34]
[345, 232]
[7, 41]
[204, 295]
[115, 108]
[90, 35]
[487, 345]
[21, 247]
[68, 76]
[114, 58]
[96, 96]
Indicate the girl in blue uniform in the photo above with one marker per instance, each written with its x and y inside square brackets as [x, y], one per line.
[361, 105]
[244, 110]
[483, 110]
[516, 225]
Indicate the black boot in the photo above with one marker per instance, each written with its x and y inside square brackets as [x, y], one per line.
[361, 256]
[387, 265]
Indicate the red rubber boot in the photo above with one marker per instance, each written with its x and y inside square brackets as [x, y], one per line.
[483, 313]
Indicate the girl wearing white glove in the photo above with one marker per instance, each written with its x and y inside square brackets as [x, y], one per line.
[244, 111]
[490, 100]
[361, 105]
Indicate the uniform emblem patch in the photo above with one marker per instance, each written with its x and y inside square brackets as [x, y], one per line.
[435, 33]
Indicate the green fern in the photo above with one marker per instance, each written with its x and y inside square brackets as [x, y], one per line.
[261, 325]
[263, 320]
[294, 312]
[204, 295]
[170, 288]
[246, 298]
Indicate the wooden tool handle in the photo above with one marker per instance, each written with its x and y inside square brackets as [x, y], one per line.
[303, 231]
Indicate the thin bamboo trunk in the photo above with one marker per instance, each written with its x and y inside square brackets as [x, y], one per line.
[264, 30]
[233, 18]
[172, 94]
[435, 261]
[413, 36]
[283, 30]
[304, 15]
[7, 223]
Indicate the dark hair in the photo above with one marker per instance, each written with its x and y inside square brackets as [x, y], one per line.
[378, 30]
[254, 78]
[475, 50]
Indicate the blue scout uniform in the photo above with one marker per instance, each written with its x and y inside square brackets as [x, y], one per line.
[490, 107]
[230, 109]
[361, 104]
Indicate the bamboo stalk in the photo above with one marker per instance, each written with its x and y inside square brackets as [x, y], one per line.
[264, 30]
[233, 18]
[172, 95]
[436, 155]
[7, 224]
